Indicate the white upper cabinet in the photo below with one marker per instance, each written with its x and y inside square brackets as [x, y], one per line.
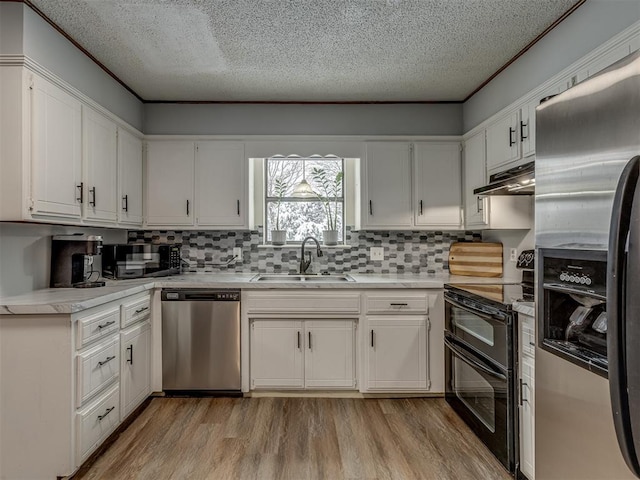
[475, 175]
[387, 185]
[503, 141]
[56, 151]
[169, 183]
[100, 151]
[437, 186]
[129, 179]
[221, 185]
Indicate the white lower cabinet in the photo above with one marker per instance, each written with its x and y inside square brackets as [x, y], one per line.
[297, 354]
[526, 404]
[135, 367]
[74, 376]
[396, 354]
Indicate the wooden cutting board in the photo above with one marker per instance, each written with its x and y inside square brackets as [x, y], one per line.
[478, 259]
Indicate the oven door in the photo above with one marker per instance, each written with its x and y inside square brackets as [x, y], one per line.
[479, 391]
[482, 328]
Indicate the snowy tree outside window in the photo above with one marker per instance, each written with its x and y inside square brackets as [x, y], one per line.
[303, 217]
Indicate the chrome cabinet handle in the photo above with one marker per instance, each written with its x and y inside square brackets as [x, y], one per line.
[125, 206]
[106, 360]
[92, 192]
[81, 193]
[109, 410]
[105, 325]
[130, 350]
[511, 133]
[140, 310]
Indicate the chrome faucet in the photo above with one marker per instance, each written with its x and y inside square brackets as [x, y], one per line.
[304, 264]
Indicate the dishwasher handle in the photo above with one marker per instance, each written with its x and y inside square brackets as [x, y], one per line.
[201, 295]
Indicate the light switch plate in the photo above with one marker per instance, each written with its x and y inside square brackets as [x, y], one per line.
[237, 253]
[376, 253]
[513, 255]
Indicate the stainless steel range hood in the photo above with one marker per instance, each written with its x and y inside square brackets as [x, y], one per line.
[518, 180]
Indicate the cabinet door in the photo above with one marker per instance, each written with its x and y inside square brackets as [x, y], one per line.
[387, 185]
[527, 127]
[100, 148]
[329, 355]
[475, 175]
[221, 184]
[129, 178]
[135, 377]
[437, 186]
[277, 354]
[527, 419]
[397, 353]
[503, 145]
[169, 185]
[56, 152]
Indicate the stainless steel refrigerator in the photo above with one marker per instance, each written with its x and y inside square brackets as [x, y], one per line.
[587, 199]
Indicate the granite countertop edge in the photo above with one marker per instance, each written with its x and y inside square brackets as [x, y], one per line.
[73, 300]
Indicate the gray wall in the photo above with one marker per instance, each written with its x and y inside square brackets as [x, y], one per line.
[25, 253]
[588, 27]
[11, 28]
[264, 119]
[54, 52]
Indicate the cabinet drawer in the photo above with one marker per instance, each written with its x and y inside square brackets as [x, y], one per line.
[95, 422]
[96, 368]
[136, 310]
[527, 335]
[401, 304]
[303, 302]
[98, 325]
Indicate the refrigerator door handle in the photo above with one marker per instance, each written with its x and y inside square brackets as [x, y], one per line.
[616, 329]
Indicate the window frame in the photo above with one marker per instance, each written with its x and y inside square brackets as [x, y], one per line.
[267, 199]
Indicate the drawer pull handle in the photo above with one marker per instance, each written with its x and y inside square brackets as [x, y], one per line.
[298, 340]
[130, 359]
[309, 340]
[372, 338]
[105, 361]
[533, 344]
[399, 304]
[109, 410]
[140, 310]
[105, 325]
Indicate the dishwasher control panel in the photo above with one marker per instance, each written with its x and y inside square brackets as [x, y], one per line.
[203, 295]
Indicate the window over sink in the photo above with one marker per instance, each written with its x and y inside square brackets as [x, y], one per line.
[304, 196]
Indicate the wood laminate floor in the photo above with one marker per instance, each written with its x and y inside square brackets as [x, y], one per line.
[296, 439]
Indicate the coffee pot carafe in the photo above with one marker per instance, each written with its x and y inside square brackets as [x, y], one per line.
[72, 260]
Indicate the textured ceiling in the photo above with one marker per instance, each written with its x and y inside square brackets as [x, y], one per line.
[304, 50]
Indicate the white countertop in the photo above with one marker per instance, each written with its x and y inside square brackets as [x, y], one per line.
[72, 300]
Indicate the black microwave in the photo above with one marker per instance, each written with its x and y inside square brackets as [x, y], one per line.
[137, 260]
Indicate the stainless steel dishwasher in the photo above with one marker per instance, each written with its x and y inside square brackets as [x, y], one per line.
[201, 341]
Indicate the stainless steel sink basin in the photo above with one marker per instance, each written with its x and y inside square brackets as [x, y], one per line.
[274, 277]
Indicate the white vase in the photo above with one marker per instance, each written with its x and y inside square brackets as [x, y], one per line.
[330, 237]
[278, 237]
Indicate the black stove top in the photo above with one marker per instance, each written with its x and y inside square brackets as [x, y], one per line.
[501, 295]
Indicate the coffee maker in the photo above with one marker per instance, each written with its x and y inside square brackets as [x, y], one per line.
[72, 260]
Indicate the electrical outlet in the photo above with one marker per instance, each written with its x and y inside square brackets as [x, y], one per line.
[513, 255]
[376, 253]
[237, 253]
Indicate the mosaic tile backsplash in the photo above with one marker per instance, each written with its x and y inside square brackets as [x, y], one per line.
[404, 252]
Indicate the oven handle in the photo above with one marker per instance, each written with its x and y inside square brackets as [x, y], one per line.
[498, 317]
[458, 352]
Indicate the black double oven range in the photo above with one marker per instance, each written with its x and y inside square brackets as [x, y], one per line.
[480, 358]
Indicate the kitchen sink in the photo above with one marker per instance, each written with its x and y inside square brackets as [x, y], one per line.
[302, 278]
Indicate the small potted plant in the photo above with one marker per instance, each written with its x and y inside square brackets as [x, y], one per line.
[278, 236]
[330, 188]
